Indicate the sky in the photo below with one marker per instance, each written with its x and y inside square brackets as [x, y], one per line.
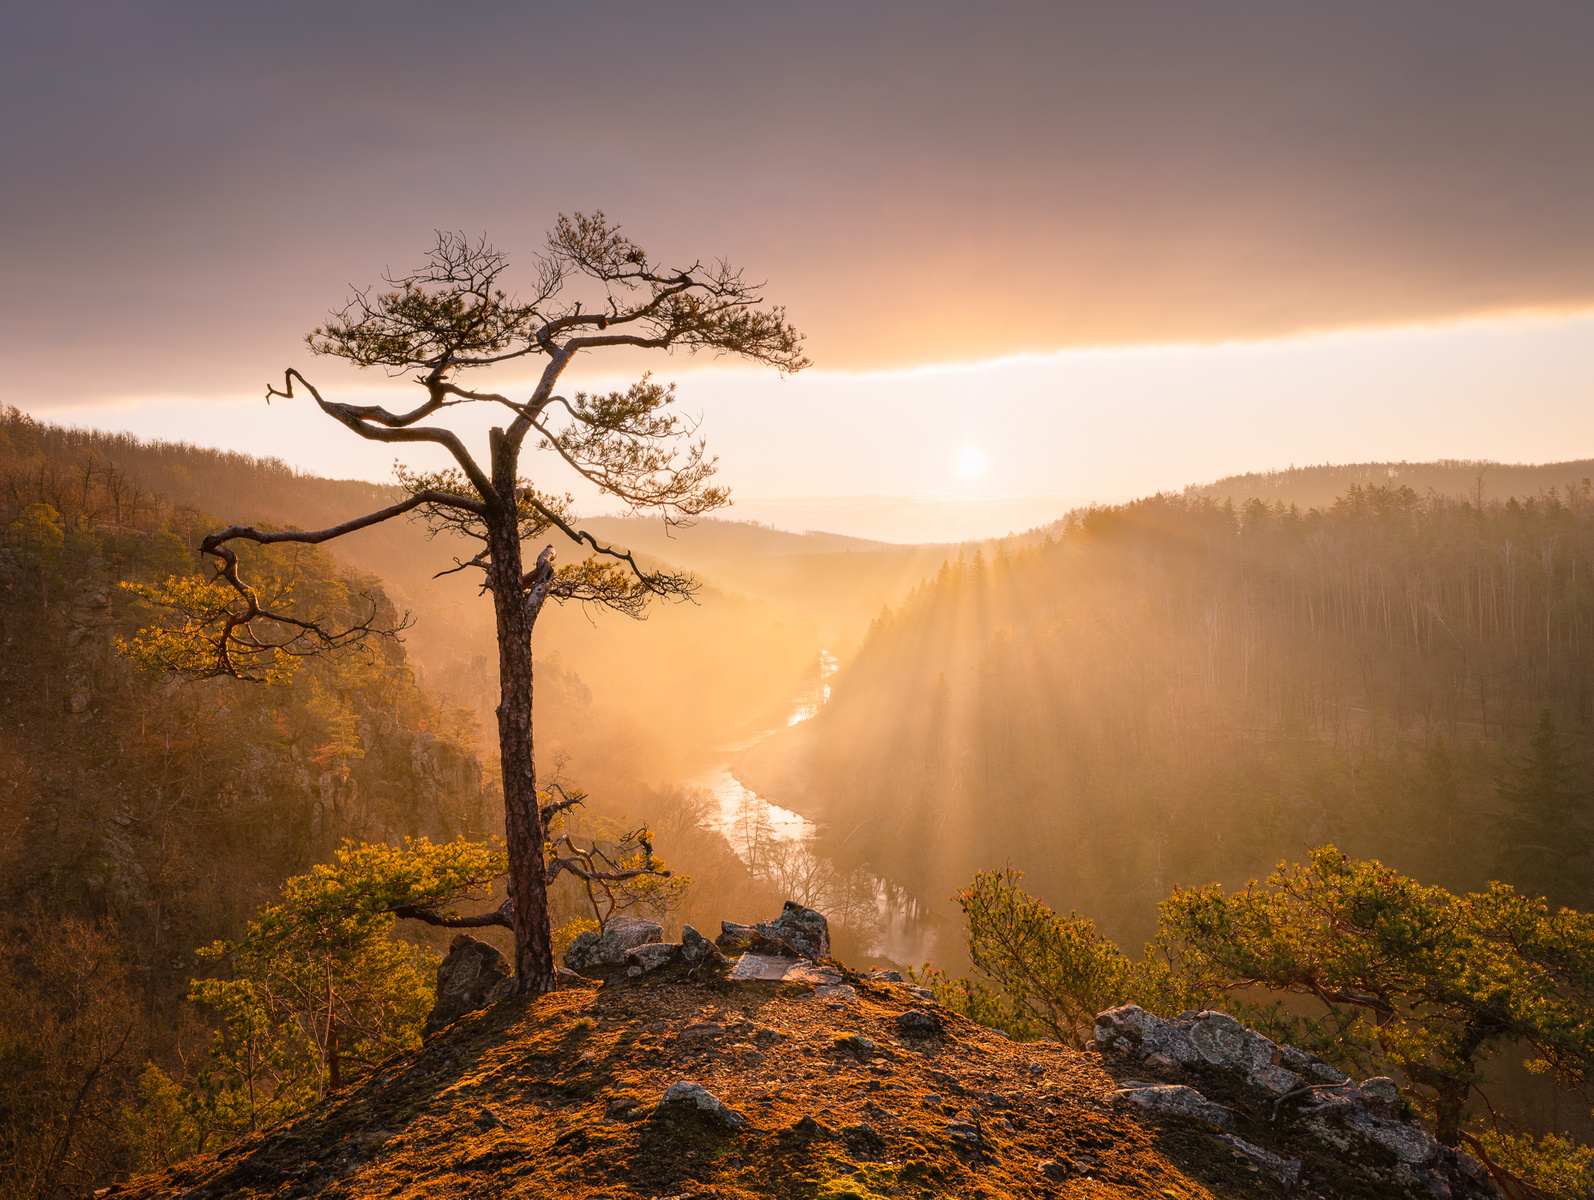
[1044, 253]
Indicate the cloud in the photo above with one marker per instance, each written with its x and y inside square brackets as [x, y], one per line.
[189, 186]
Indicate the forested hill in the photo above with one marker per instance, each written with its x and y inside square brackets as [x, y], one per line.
[1175, 691]
[1457, 479]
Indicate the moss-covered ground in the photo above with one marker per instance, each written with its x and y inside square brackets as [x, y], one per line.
[559, 1097]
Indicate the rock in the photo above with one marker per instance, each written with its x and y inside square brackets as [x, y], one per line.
[1050, 1168]
[1383, 1094]
[806, 1124]
[1310, 1065]
[1175, 1100]
[836, 993]
[918, 1023]
[797, 933]
[804, 929]
[857, 1045]
[803, 971]
[881, 975]
[472, 976]
[564, 977]
[696, 948]
[1335, 1097]
[1130, 1029]
[650, 956]
[734, 938]
[1286, 1170]
[762, 968]
[1224, 1042]
[685, 1092]
[1275, 1081]
[600, 954]
[1409, 1143]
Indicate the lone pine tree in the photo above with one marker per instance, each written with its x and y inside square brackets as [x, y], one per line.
[594, 290]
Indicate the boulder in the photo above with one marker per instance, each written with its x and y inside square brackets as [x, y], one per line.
[650, 956]
[803, 929]
[472, 976]
[797, 933]
[599, 954]
[684, 1092]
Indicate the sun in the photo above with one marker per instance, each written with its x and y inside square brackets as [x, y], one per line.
[971, 463]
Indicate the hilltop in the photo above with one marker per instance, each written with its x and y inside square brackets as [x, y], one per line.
[859, 1088]
[1477, 480]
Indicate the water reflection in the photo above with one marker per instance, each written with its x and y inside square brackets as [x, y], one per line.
[781, 846]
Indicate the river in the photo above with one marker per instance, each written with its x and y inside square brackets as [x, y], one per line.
[905, 932]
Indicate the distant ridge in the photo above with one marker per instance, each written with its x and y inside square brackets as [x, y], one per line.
[1318, 486]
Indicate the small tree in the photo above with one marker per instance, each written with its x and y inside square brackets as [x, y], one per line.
[594, 290]
[1036, 973]
[1408, 976]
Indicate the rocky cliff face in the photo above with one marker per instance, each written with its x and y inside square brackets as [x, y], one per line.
[685, 1080]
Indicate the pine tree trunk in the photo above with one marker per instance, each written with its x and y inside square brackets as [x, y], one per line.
[528, 881]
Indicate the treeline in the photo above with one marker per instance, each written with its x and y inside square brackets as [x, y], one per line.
[1178, 691]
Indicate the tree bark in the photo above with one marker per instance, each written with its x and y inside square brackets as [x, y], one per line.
[528, 884]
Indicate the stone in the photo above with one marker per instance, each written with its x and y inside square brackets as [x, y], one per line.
[857, 1045]
[1409, 1143]
[1050, 1168]
[1335, 1097]
[917, 1023]
[1224, 1042]
[597, 954]
[761, 968]
[1275, 1081]
[803, 971]
[472, 976]
[798, 932]
[650, 956]
[685, 1092]
[804, 929]
[1382, 1092]
[881, 975]
[806, 1124]
[1174, 1100]
[1286, 1170]
[696, 948]
[1130, 1029]
[836, 993]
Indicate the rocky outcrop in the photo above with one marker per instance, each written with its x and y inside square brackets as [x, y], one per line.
[604, 953]
[472, 976]
[666, 1084]
[1220, 1071]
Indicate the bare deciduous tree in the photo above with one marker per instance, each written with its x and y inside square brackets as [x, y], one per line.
[452, 317]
